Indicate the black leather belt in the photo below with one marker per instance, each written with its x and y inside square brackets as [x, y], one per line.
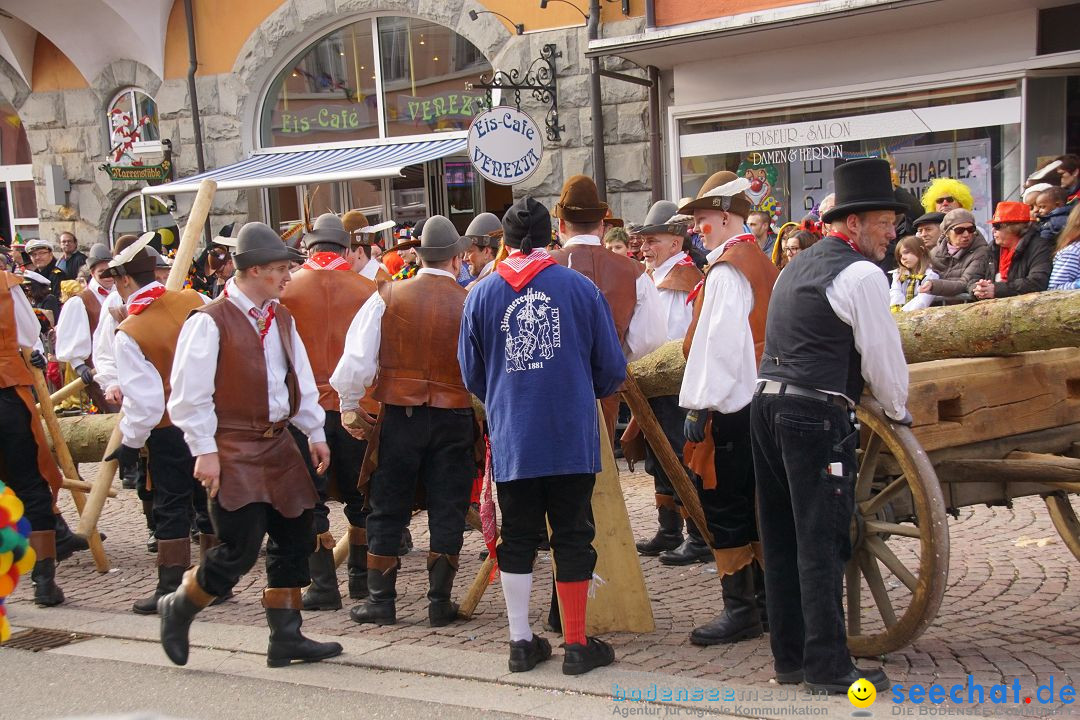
[773, 387]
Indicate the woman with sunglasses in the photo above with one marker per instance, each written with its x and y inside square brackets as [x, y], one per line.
[1021, 260]
[960, 258]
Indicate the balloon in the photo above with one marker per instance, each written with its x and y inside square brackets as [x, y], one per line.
[9, 538]
[167, 236]
[14, 507]
[7, 584]
[5, 630]
[6, 561]
[26, 563]
[23, 526]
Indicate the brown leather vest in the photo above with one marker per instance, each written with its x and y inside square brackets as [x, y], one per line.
[157, 328]
[13, 370]
[259, 461]
[760, 272]
[92, 302]
[681, 278]
[323, 303]
[615, 275]
[418, 355]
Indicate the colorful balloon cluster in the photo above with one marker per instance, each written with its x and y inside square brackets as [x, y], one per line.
[16, 555]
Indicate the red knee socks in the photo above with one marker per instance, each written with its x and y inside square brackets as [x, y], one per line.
[573, 597]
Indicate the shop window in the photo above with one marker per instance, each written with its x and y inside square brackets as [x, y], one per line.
[133, 126]
[138, 213]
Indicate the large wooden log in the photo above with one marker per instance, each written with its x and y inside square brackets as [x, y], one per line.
[87, 435]
[1038, 321]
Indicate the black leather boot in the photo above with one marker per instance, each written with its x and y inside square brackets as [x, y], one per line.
[693, 550]
[379, 608]
[287, 644]
[358, 589]
[759, 595]
[740, 619]
[174, 557]
[177, 610]
[151, 525]
[67, 542]
[441, 571]
[406, 545]
[46, 592]
[669, 533]
[323, 592]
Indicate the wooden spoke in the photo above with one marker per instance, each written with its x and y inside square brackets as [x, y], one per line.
[874, 504]
[854, 588]
[888, 528]
[876, 583]
[1064, 518]
[867, 468]
[881, 551]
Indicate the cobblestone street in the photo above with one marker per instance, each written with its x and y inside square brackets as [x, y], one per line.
[1010, 610]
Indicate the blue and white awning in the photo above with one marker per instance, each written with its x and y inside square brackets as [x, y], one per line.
[283, 166]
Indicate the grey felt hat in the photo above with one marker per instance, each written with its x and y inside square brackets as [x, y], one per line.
[328, 228]
[258, 244]
[440, 240]
[99, 253]
[661, 218]
[480, 229]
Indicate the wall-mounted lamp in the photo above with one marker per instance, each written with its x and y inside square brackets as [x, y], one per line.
[544, 4]
[519, 27]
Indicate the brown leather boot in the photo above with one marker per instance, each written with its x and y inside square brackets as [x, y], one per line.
[287, 644]
[173, 559]
[46, 592]
[177, 610]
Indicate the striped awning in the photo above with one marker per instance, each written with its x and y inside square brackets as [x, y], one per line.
[279, 166]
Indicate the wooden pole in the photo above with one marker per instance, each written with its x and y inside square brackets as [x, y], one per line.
[80, 486]
[63, 456]
[654, 435]
[67, 391]
[185, 251]
[476, 590]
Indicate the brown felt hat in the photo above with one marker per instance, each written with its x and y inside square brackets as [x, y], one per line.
[580, 201]
[737, 203]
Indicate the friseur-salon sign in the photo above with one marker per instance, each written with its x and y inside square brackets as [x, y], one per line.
[505, 145]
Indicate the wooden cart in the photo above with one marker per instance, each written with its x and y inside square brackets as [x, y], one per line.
[986, 431]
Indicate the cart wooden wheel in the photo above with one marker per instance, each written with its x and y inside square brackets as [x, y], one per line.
[1064, 518]
[900, 539]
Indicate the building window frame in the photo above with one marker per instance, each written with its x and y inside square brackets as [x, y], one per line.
[141, 147]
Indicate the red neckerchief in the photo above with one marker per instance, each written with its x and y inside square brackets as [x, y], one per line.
[518, 270]
[102, 291]
[728, 244]
[327, 261]
[141, 301]
[263, 320]
[845, 239]
[1005, 258]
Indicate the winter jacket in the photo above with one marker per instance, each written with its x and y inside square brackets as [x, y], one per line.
[1030, 268]
[959, 272]
[1051, 227]
[898, 292]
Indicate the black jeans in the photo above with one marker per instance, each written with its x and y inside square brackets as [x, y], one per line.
[671, 418]
[346, 457]
[729, 507]
[241, 534]
[171, 471]
[566, 502]
[432, 446]
[805, 512]
[18, 452]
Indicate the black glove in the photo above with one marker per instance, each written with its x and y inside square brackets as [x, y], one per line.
[38, 360]
[124, 455]
[85, 373]
[694, 427]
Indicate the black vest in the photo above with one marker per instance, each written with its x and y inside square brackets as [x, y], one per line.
[806, 344]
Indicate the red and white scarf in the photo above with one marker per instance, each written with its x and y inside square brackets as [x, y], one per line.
[518, 270]
[327, 261]
[142, 300]
[845, 239]
[263, 318]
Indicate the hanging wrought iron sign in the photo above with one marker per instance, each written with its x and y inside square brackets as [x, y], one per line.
[540, 79]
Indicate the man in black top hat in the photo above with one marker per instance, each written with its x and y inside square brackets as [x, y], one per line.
[829, 332]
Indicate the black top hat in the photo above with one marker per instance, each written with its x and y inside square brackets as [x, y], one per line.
[258, 244]
[862, 186]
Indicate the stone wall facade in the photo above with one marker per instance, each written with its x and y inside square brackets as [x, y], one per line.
[69, 128]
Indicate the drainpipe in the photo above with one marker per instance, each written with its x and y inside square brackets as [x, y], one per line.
[655, 159]
[650, 14]
[599, 159]
[193, 66]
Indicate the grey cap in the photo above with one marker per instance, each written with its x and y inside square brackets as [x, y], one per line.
[663, 217]
[258, 244]
[99, 253]
[328, 228]
[440, 240]
[957, 216]
[480, 229]
[160, 261]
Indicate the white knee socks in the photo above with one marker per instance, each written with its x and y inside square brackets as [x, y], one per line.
[517, 587]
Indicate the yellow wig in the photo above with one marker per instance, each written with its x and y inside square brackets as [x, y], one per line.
[947, 187]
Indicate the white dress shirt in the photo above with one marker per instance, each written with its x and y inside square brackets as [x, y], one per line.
[648, 326]
[859, 296]
[191, 404]
[678, 313]
[359, 364]
[373, 266]
[74, 343]
[721, 371]
[104, 344]
[27, 327]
